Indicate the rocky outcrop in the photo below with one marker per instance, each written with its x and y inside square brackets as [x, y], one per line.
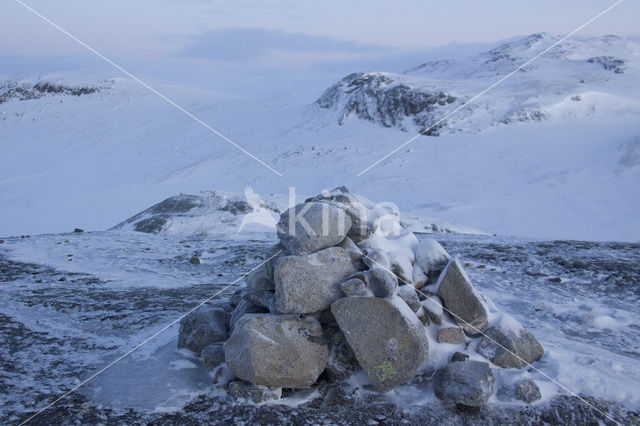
[387, 338]
[276, 351]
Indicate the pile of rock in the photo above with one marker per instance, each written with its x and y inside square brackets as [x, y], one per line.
[347, 290]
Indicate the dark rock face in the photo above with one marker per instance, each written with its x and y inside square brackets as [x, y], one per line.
[342, 362]
[510, 348]
[468, 383]
[24, 92]
[461, 299]
[379, 98]
[609, 63]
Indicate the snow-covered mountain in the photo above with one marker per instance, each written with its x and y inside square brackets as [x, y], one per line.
[574, 79]
[85, 147]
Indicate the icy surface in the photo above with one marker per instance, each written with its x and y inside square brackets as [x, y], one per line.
[580, 299]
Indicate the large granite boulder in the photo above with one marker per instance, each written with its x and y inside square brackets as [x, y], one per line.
[202, 327]
[387, 338]
[462, 300]
[432, 258]
[509, 345]
[468, 383]
[310, 283]
[277, 351]
[309, 227]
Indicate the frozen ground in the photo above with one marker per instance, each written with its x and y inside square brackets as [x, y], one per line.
[70, 303]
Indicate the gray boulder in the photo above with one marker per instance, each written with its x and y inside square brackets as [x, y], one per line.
[257, 394]
[432, 258]
[509, 345]
[388, 340]
[381, 282]
[342, 362]
[310, 283]
[528, 391]
[212, 355]
[459, 356]
[244, 307]
[409, 295]
[461, 299]
[309, 227]
[468, 383]
[355, 287]
[277, 351]
[202, 327]
[453, 335]
[376, 258]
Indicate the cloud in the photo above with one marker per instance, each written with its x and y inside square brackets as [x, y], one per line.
[251, 44]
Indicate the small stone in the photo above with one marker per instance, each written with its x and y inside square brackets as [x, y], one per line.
[433, 305]
[310, 283]
[277, 351]
[355, 287]
[354, 252]
[409, 295]
[381, 282]
[195, 260]
[309, 227]
[202, 327]
[212, 355]
[453, 335]
[459, 356]
[388, 340]
[528, 391]
[462, 300]
[375, 258]
[469, 383]
[78, 230]
[254, 393]
[419, 278]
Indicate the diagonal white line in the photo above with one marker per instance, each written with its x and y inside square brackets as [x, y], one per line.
[145, 85]
[488, 88]
[112, 363]
[460, 320]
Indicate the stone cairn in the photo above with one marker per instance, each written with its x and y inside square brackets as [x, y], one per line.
[349, 290]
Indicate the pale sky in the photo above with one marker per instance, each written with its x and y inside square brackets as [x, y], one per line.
[157, 28]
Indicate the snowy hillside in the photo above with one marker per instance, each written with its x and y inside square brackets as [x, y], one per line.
[91, 159]
[575, 79]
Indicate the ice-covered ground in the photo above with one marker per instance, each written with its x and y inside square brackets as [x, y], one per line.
[90, 161]
[71, 303]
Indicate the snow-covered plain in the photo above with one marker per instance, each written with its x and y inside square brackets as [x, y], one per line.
[91, 161]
